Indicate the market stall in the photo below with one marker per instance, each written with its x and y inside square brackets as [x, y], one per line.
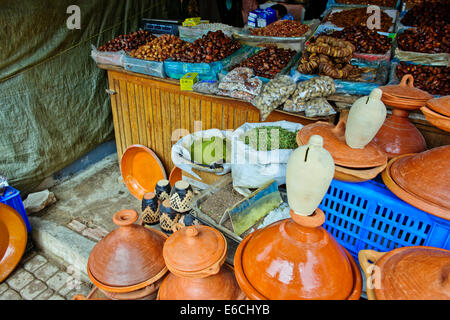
[284, 142]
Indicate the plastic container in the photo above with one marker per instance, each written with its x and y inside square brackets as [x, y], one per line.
[12, 198]
[107, 57]
[326, 29]
[206, 71]
[294, 43]
[151, 68]
[367, 215]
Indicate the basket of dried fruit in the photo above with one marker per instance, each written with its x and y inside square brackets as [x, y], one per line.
[286, 34]
[149, 58]
[113, 51]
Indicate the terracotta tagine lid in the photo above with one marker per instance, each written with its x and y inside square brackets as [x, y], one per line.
[440, 105]
[425, 177]
[405, 91]
[408, 273]
[129, 258]
[334, 142]
[296, 259]
[195, 251]
[436, 119]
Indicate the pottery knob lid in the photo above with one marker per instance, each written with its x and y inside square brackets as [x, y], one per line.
[195, 251]
[406, 90]
[125, 218]
[440, 105]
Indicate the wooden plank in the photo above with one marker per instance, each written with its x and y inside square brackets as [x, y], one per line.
[148, 111]
[115, 105]
[125, 116]
[158, 122]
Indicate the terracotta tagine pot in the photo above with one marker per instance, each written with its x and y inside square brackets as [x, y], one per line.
[398, 135]
[128, 263]
[437, 112]
[296, 258]
[365, 118]
[195, 256]
[408, 273]
[422, 180]
[351, 164]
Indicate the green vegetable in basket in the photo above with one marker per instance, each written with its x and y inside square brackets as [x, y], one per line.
[210, 150]
[269, 138]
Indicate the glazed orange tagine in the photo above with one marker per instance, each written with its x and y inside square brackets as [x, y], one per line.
[195, 257]
[128, 263]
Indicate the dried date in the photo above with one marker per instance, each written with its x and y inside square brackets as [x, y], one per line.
[364, 39]
[358, 17]
[160, 49]
[436, 14]
[432, 79]
[213, 46]
[127, 42]
[381, 3]
[425, 40]
[268, 62]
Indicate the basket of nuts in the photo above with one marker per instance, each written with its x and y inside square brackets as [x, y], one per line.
[149, 58]
[206, 56]
[384, 4]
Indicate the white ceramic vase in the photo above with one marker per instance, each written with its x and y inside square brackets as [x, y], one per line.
[365, 118]
[309, 172]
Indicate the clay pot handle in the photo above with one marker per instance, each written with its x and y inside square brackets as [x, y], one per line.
[339, 130]
[125, 217]
[364, 257]
[191, 231]
[407, 80]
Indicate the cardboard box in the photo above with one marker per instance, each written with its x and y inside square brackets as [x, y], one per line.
[188, 80]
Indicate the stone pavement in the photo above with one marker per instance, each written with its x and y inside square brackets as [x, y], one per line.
[38, 277]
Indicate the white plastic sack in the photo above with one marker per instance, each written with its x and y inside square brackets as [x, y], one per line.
[181, 154]
[253, 169]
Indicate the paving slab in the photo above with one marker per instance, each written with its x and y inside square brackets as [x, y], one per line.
[46, 271]
[59, 280]
[3, 287]
[19, 279]
[45, 295]
[32, 290]
[10, 294]
[35, 263]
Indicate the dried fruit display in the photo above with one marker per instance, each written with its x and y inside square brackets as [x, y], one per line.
[329, 57]
[364, 39]
[432, 79]
[428, 14]
[281, 28]
[160, 48]
[358, 17]
[381, 3]
[268, 62]
[127, 42]
[213, 46]
[425, 40]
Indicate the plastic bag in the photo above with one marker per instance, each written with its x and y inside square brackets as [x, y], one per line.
[251, 168]
[274, 94]
[181, 152]
[207, 87]
[318, 107]
[107, 57]
[317, 87]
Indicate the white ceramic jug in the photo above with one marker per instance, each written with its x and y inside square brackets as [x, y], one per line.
[365, 118]
[309, 172]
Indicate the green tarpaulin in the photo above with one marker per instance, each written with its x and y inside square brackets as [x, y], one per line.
[53, 104]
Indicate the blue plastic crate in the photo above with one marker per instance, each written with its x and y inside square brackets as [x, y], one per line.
[11, 197]
[367, 215]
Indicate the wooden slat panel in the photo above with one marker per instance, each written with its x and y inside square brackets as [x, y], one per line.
[158, 122]
[149, 125]
[115, 105]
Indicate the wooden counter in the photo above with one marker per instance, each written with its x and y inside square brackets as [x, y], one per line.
[154, 112]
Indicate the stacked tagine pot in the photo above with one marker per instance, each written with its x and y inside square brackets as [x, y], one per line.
[195, 256]
[361, 161]
[422, 180]
[437, 112]
[398, 135]
[127, 264]
[296, 258]
[408, 273]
